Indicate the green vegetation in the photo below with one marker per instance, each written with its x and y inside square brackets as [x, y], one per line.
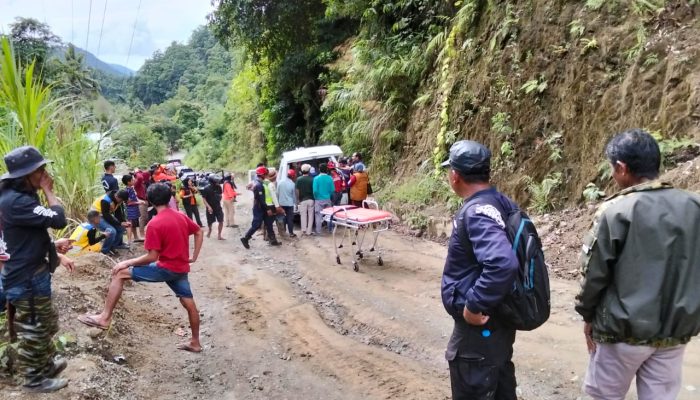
[31, 114]
[409, 199]
[542, 193]
[591, 193]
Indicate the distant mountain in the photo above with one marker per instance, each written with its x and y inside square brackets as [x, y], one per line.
[93, 62]
[122, 69]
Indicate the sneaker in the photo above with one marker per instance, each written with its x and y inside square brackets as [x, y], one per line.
[245, 242]
[122, 247]
[55, 368]
[45, 385]
[291, 235]
[275, 243]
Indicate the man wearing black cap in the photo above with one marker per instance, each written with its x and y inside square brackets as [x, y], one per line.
[480, 270]
[26, 273]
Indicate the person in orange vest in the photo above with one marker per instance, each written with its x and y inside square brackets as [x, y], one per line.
[229, 197]
[359, 182]
[161, 174]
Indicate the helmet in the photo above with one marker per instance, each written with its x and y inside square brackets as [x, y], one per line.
[261, 171]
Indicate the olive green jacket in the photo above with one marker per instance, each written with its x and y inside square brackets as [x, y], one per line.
[641, 267]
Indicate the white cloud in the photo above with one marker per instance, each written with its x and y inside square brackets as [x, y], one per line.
[160, 22]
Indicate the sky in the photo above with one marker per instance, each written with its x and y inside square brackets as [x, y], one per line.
[158, 24]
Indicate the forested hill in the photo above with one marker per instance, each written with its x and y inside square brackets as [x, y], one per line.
[544, 83]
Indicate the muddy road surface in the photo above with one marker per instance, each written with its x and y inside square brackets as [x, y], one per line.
[289, 323]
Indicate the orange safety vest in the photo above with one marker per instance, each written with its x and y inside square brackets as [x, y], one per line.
[358, 191]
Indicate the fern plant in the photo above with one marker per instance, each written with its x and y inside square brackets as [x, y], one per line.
[592, 193]
[541, 199]
[534, 85]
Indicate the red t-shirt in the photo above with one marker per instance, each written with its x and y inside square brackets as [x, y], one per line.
[140, 184]
[169, 233]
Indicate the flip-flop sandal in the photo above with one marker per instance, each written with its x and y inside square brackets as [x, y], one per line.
[89, 321]
[186, 347]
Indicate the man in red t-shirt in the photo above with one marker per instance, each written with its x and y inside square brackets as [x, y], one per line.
[140, 184]
[168, 260]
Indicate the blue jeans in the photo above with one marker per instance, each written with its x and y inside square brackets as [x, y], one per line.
[40, 286]
[288, 218]
[3, 301]
[177, 282]
[115, 238]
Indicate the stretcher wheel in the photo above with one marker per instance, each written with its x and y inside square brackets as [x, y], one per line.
[380, 261]
[372, 249]
[337, 259]
[340, 247]
[360, 255]
[355, 266]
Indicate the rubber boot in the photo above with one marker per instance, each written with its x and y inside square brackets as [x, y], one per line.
[55, 368]
[42, 384]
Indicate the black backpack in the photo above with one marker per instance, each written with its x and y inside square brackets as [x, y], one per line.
[528, 305]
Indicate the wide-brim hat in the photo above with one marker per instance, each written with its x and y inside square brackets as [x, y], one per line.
[22, 161]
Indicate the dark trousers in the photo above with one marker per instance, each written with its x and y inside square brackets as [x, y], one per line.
[260, 217]
[336, 197]
[480, 360]
[193, 211]
[289, 219]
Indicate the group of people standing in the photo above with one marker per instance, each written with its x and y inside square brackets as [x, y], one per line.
[309, 190]
[128, 211]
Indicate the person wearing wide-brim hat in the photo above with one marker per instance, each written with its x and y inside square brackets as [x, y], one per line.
[26, 275]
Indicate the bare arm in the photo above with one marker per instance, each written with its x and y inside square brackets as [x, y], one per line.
[198, 240]
[150, 257]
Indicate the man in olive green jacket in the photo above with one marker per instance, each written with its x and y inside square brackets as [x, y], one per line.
[640, 295]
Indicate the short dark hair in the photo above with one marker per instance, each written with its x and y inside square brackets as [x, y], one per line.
[638, 150]
[358, 155]
[159, 194]
[108, 164]
[127, 178]
[262, 164]
[323, 168]
[122, 194]
[478, 177]
[92, 214]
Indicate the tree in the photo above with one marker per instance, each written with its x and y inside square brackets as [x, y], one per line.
[73, 78]
[266, 28]
[32, 41]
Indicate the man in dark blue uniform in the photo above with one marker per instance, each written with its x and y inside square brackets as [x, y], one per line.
[480, 270]
[261, 212]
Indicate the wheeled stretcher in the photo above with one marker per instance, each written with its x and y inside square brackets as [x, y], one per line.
[356, 223]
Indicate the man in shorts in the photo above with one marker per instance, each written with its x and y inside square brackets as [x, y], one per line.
[211, 195]
[167, 260]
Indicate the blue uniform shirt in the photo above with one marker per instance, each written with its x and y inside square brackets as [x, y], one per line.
[480, 272]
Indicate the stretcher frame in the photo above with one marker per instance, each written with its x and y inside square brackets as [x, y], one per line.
[357, 231]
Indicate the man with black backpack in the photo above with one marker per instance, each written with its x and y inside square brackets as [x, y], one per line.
[493, 282]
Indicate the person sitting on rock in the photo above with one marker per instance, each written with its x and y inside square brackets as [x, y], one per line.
[168, 260]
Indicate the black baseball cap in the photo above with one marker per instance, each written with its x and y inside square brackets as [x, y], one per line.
[469, 157]
[22, 161]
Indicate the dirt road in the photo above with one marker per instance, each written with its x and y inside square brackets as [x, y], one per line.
[288, 323]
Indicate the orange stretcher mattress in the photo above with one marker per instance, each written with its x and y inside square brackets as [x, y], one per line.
[357, 214]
